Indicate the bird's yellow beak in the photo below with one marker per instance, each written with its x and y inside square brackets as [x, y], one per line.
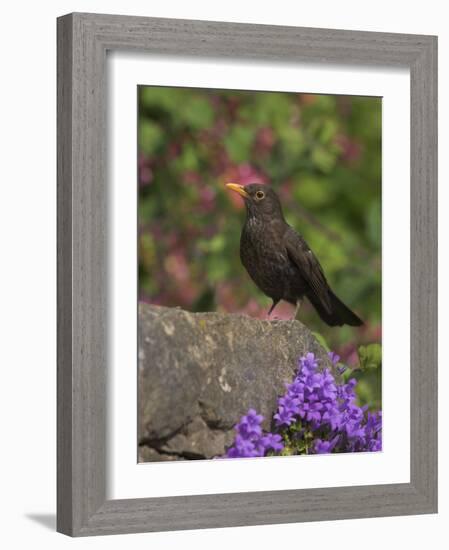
[238, 189]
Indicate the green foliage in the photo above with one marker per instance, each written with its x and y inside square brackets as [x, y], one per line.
[369, 376]
[368, 373]
[321, 340]
[370, 356]
[297, 440]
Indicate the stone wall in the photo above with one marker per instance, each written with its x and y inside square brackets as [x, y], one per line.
[200, 372]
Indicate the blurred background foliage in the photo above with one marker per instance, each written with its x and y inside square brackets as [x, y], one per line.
[322, 153]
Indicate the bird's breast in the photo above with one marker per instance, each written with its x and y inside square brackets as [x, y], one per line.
[265, 258]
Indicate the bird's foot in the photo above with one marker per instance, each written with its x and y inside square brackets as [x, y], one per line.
[276, 321]
[298, 307]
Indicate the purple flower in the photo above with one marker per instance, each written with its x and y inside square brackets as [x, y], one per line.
[272, 441]
[334, 357]
[331, 415]
[324, 447]
[373, 431]
[374, 446]
[296, 389]
[308, 364]
[284, 416]
[311, 411]
[288, 407]
[328, 387]
[250, 441]
[242, 448]
[346, 393]
[249, 424]
[316, 414]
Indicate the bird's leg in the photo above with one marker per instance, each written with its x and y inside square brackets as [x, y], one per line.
[273, 305]
[298, 307]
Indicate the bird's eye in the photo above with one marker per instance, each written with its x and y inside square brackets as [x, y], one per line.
[260, 195]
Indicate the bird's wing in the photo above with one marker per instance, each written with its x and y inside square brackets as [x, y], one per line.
[310, 268]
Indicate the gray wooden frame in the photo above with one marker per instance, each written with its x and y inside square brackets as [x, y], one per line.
[83, 40]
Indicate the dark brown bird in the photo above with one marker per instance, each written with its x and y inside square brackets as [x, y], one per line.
[280, 261]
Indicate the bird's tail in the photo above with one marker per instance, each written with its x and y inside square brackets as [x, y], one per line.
[339, 314]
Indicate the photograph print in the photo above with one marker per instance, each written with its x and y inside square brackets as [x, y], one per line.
[259, 274]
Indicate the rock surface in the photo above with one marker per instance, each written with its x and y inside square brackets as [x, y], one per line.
[200, 372]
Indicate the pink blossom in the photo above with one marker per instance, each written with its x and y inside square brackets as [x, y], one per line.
[265, 139]
[351, 149]
[176, 266]
[207, 198]
[145, 171]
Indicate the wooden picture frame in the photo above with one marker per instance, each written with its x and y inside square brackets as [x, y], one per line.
[83, 41]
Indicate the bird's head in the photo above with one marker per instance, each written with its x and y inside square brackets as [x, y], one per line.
[260, 200]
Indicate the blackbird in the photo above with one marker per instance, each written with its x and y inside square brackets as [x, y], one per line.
[280, 261]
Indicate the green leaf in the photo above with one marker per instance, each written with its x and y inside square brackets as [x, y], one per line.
[370, 356]
[323, 158]
[150, 136]
[321, 340]
[198, 113]
[374, 223]
[218, 269]
[188, 159]
[214, 245]
[314, 191]
[239, 142]
[292, 140]
[286, 451]
[328, 130]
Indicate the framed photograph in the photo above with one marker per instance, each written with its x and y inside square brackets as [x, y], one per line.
[247, 281]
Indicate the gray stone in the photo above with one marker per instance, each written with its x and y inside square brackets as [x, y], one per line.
[197, 440]
[147, 454]
[200, 372]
